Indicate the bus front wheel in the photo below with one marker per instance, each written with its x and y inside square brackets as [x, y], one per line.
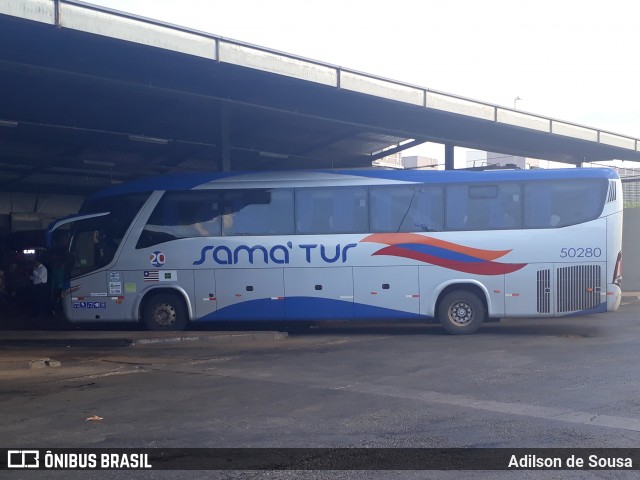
[165, 311]
[461, 312]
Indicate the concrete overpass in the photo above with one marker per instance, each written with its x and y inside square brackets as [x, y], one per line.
[92, 97]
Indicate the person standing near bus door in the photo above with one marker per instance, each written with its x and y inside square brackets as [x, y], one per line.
[40, 291]
[57, 280]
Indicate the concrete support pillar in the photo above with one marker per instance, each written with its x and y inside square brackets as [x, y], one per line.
[448, 157]
[225, 151]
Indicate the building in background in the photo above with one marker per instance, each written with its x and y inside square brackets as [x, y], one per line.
[411, 162]
[479, 159]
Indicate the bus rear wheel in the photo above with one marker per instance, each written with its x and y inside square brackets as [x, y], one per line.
[165, 311]
[461, 312]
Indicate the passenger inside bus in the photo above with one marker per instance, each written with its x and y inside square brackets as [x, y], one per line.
[208, 221]
[104, 248]
[227, 221]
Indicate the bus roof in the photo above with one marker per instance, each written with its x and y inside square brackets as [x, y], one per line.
[227, 180]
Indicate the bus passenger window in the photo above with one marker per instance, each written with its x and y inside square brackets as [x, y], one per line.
[257, 212]
[332, 210]
[554, 204]
[484, 207]
[506, 208]
[406, 208]
[208, 223]
[182, 215]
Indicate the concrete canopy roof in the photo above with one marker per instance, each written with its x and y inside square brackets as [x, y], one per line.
[92, 97]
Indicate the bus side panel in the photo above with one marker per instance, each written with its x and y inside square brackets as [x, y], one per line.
[318, 293]
[380, 289]
[555, 289]
[580, 288]
[205, 299]
[530, 291]
[250, 294]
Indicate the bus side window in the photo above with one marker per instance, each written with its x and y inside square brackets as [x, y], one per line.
[484, 207]
[207, 221]
[350, 213]
[557, 203]
[304, 209]
[406, 208]
[331, 210]
[506, 208]
[181, 214]
[430, 209]
[257, 212]
[461, 212]
[538, 205]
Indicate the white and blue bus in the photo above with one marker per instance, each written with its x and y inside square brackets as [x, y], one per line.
[456, 247]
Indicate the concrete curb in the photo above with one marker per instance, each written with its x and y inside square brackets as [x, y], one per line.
[129, 339]
[219, 338]
[120, 339]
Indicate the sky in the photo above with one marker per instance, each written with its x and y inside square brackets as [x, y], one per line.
[574, 60]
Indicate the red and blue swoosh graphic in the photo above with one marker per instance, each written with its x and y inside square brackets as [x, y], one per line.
[443, 254]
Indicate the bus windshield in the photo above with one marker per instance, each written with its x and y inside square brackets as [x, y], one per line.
[96, 239]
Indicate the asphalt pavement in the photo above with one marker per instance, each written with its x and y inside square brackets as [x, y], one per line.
[520, 383]
[18, 329]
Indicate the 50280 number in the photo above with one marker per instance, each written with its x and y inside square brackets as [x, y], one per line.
[580, 252]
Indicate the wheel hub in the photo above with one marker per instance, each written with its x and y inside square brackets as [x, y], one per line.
[164, 315]
[461, 313]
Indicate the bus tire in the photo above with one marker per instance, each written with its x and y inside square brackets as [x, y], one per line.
[165, 311]
[461, 312]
